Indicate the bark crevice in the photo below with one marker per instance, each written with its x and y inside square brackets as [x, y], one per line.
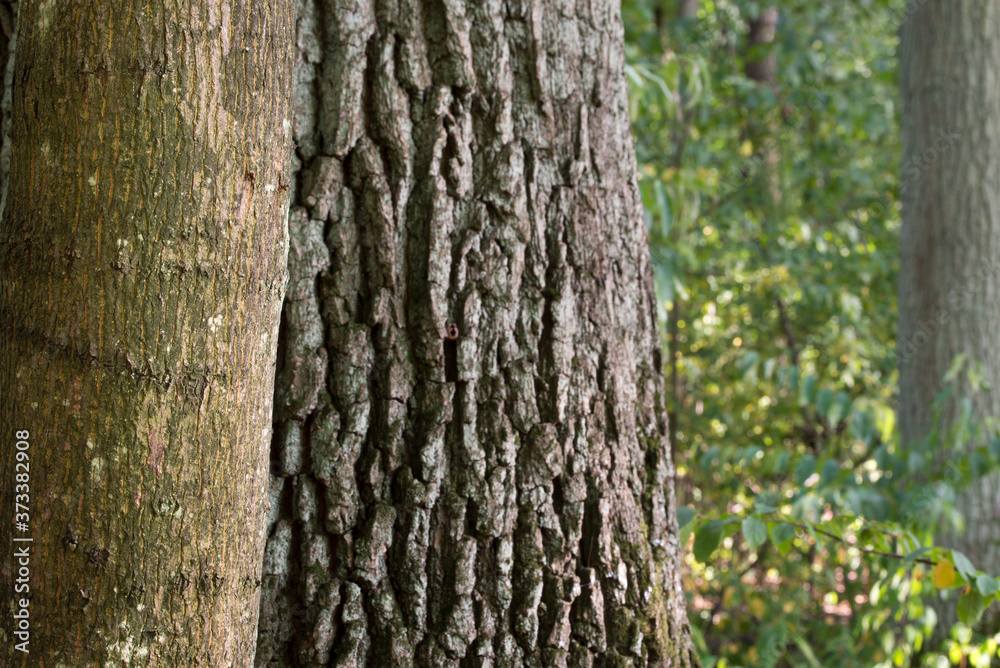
[503, 497]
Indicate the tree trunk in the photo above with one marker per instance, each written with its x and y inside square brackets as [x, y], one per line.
[470, 465]
[950, 241]
[143, 266]
[761, 61]
[8, 44]
[761, 66]
[687, 9]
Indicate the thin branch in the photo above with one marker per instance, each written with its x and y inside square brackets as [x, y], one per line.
[863, 550]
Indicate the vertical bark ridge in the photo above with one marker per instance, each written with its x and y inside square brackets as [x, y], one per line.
[502, 496]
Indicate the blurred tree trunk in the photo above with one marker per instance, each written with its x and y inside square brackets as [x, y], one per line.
[470, 463]
[764, 182]
[761, 66]
[761, 63]
[949, 285]
[142, 267]
[687, 9]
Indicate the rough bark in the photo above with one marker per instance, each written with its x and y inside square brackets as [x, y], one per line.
[8, 45]
[499, 493]
[142, 257]
[949, 286]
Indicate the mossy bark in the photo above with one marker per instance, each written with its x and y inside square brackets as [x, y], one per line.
[8, 45]
[143, 266]
[500, 492]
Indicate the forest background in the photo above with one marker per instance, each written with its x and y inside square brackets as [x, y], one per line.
[769, 150]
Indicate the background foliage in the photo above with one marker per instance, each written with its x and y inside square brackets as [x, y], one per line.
[810, 527]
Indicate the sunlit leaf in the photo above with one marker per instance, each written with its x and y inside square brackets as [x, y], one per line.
[944, 574]
[956, 367]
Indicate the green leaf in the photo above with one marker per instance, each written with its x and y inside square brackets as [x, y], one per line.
[748, 366]
[708, 458]
[790, 377]
[812, 532]
[755, 532]
[829, 472]
[840, 409]
[987, 585]
[807, 651]
[749, 455]
[782, 533]
[707, 539]
[916, 554]
[964, 423]
[963, 565]
[805, 468]
[971, 607]
[978, 465]
[808, 390]
[769, 365]
[956, 367]
[685, 533]
[781, 462]
[684, 516]
[862, 426]
[994, 448]
[823, 401]
[767, 646]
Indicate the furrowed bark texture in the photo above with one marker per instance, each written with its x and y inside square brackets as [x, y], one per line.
[502, 496]
[143, 263]
[949, 295]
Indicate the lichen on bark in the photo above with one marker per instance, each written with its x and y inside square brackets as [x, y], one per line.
[142, 269]
[503, 498]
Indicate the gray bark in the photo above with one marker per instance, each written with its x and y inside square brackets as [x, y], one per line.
[500, 492]
[687, 9]
[949, 289]
[142, 269]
